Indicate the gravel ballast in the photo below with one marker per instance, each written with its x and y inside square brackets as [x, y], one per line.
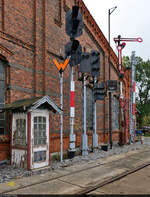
[8, 172]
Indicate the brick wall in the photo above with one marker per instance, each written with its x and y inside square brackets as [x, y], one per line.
[32, 34]
[4, 147]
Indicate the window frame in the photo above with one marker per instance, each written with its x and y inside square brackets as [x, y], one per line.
[39, 136]
[19, 135]
[115, 113]
[3, 67]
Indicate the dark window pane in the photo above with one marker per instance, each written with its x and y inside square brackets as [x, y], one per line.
[89, 108]
[35, 126]
[2, 77]
[2, 91]
[40, 119]
[115, 113]
[2, 100]
[2, 123]
[1, 105]
[44, 120]
[35, 119]
[1, 131]
[2, 96]
[20, 132]
[2, 67]
[40, 126]
[2, 84]
[39, 156]
[2, 116]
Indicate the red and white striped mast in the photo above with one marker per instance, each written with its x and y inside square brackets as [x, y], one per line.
[120, 46]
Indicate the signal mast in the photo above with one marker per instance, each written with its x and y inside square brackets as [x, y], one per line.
[120, 46]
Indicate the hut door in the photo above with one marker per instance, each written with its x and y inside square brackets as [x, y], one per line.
[39, 140]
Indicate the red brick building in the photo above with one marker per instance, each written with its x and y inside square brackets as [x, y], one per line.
[32, 34]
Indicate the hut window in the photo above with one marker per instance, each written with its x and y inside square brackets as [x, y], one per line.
[39, 156]
[20, 135]
[39, 130]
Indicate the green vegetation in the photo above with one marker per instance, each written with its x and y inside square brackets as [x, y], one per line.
[56, 156]
[143, 89]
[147, 134]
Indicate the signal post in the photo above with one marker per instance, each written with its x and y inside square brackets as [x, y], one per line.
[89, 63]
[120, 46]
[61, 67]
[73, 49]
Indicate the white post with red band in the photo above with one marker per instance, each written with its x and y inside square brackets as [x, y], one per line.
[132, 103]
[119, 48]
[121, 100]
[72, 99]
[72, 137]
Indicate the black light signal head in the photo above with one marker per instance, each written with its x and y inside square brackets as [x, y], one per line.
[95, 63]
[99, 91]
[74, 50]
[75, 10]
[85, 66]
[123, 45]
[74, 22]
[75, 45]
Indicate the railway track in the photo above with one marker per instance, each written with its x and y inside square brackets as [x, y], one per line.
[86, 190]
[111, 180]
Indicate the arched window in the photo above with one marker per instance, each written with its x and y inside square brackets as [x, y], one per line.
[89, 108]
[115, 113]
[2, 95]
[57, 17]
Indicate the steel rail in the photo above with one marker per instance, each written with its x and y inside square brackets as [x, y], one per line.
[85, 190]
[113, 179]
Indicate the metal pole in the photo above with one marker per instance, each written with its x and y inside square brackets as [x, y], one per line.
[110, 122]
[110, 11]
[84, 135]
[95, 136]
[131, 118]
[122, 112]
[134, 106]
[110, 119]
[72, 136]
[61, 117]
[132, 115]
[121, 139]
[109, 26]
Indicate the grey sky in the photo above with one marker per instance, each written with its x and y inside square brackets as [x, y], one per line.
[130, 19]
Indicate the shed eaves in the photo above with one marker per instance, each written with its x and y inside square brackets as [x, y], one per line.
[32, 104]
